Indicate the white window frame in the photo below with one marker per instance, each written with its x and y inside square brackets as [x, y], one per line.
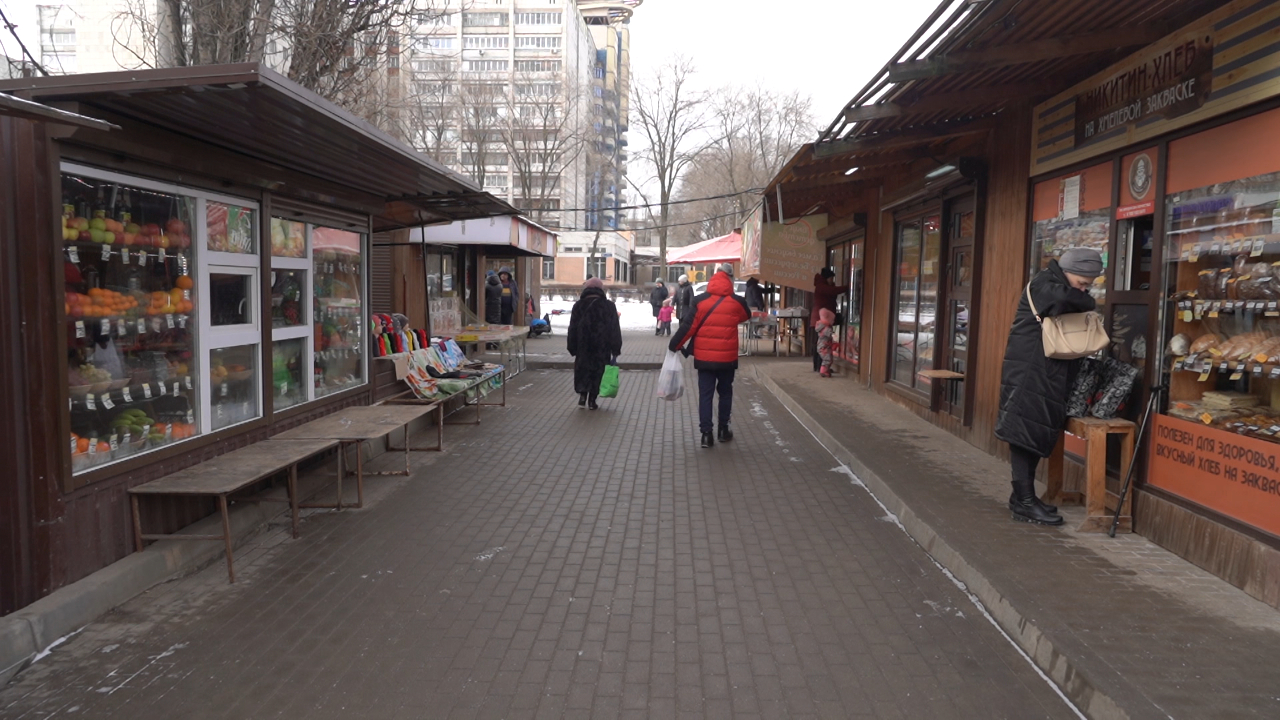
[307, 328]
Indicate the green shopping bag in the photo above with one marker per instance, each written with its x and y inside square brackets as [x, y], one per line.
[609, 383]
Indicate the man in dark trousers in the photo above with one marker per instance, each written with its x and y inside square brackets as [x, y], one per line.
[684, 297]
[711, 328]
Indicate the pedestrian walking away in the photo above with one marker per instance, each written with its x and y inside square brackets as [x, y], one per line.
[510, 295]
[1034, 388]
[684, 297]
[664, 317]
[595, 336]
[656, 298]
[492, 299]
[710, 330]
[755, 302]
[826, 332]
[825, 294]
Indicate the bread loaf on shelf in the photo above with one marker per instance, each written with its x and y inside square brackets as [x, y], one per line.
[1205, 342]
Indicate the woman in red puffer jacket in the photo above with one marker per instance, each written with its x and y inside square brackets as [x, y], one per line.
[712, 329]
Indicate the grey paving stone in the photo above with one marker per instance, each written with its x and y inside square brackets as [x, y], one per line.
[559, 563]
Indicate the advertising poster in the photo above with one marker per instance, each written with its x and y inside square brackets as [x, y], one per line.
[1235, 475]
[751, 242]
[446, 318]
[790, 253]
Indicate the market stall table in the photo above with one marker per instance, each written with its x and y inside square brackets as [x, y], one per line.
[357, 425]
[227, 474]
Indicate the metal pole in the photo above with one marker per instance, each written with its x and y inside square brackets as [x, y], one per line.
[1133, 461]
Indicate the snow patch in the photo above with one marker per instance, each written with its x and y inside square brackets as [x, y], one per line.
[49, 650]
[489, 554]
[757, 410]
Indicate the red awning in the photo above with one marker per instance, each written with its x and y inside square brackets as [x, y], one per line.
[722, 249]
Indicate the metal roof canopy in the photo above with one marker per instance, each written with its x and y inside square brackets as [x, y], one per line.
[254, 112]
[27, 110]
[966, 63]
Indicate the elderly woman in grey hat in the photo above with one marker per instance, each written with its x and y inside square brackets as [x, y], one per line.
[1034, 388]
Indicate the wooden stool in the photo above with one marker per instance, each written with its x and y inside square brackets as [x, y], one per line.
[1099, 502]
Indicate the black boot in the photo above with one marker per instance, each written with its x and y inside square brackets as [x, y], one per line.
[725, 434]
[708, 440]
[1024, 506]
[582, 399]
[1051, 509]
[591, 403]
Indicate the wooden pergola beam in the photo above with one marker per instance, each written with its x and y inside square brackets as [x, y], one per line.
[841, 164]
[902, 139]
[947, 101]
[1021, 53]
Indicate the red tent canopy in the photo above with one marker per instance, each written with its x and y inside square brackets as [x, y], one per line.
[722, 249]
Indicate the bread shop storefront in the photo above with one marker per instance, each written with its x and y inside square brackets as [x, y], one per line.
[191, 282]
[1169, 164]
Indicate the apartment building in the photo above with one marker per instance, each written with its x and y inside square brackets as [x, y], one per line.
[610, 24]
[574, 261]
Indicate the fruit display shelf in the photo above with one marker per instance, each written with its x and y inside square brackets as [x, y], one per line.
[134, 326]
[130, 394]
[79, 251]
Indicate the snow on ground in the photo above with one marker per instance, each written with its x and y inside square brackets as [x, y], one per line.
[635, 315]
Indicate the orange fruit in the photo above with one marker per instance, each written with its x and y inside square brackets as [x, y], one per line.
[184, 282]
[82, 445]
[102, 447]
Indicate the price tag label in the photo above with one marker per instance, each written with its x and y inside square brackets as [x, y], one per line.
[161, 255]
[1224, 366]
[182, 321]
[142, 258]
[146, 430]
[1199, 310]
[1177, 365]
[74, 254]
[1215, 249]
[1275, 372]
[155, 324]
[90, 402]
[217, 412]
[106, 251]
[244, 409]
[1203, 376]
[1194, 256]
[106, 401]
[146, 390]
[176, 389]
[1257, 370]
[114, 442]
[93, 446]
[73, 446]
[284, 388]
[121, 327]
[1206, 418]
[104, 327]
[79, 328]
[124, 392]
[124, 255]
[168, 431]
[1237, 374]
[1259, 246]
[168, 318]
[128, 436]
[222, 392]
[187, 381]
[142, 326]
[1213, 313]
[191, 417]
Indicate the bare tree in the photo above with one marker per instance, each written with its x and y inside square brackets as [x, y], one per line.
[544, 135]
[482, 109]
[340, 49]
[433, 111]
[672, 115]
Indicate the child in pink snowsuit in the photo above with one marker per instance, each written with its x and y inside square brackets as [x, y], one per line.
[664, 318]
[826, 331]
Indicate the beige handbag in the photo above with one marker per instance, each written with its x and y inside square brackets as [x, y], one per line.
[1070, 336]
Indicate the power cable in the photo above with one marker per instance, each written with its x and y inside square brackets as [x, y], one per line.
[673, 202]
[650, 227]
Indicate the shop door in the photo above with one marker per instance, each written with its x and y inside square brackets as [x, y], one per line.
[959, 307]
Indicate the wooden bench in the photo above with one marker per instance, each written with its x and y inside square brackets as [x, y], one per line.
[1099, 502]
[228, 474]
[361, 424]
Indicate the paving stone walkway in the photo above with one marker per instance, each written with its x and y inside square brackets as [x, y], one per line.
[562, 563]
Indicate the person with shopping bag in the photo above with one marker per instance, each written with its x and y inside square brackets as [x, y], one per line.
[710, 329]
[1034, 388]
[595, 338]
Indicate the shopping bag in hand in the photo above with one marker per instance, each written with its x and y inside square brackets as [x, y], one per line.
[609, 383]
[671, 379]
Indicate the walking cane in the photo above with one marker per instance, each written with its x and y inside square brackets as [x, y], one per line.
[1133, 461]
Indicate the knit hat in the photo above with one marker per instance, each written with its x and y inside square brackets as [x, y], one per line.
[826, 316]
[1081, 261]
[684, 278]
[594, 282]
[725, 268]
[827, 272]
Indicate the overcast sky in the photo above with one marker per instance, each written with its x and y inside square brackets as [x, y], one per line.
[827, 49]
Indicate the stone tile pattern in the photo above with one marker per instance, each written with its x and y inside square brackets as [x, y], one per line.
[638, 347]
[1154, 632]
[562, 563]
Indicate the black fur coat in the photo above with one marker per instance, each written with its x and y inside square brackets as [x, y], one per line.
[594, 336]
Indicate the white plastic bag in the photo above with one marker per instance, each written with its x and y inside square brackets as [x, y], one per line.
[671, 379]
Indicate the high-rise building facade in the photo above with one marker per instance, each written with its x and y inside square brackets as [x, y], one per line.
[610, 24]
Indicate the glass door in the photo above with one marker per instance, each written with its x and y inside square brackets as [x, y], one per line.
[959, 307]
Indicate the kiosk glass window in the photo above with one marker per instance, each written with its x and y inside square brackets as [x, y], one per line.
[919, 251]
[338, 311]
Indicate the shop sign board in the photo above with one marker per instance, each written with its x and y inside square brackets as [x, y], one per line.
[751, 229]
[1137, 176]
[1208, 68]
[1235, 475]
[790, 252]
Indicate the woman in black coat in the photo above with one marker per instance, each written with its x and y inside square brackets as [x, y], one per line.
[493, 299]
[656, 298]
[595, 336]
[1034, 388]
